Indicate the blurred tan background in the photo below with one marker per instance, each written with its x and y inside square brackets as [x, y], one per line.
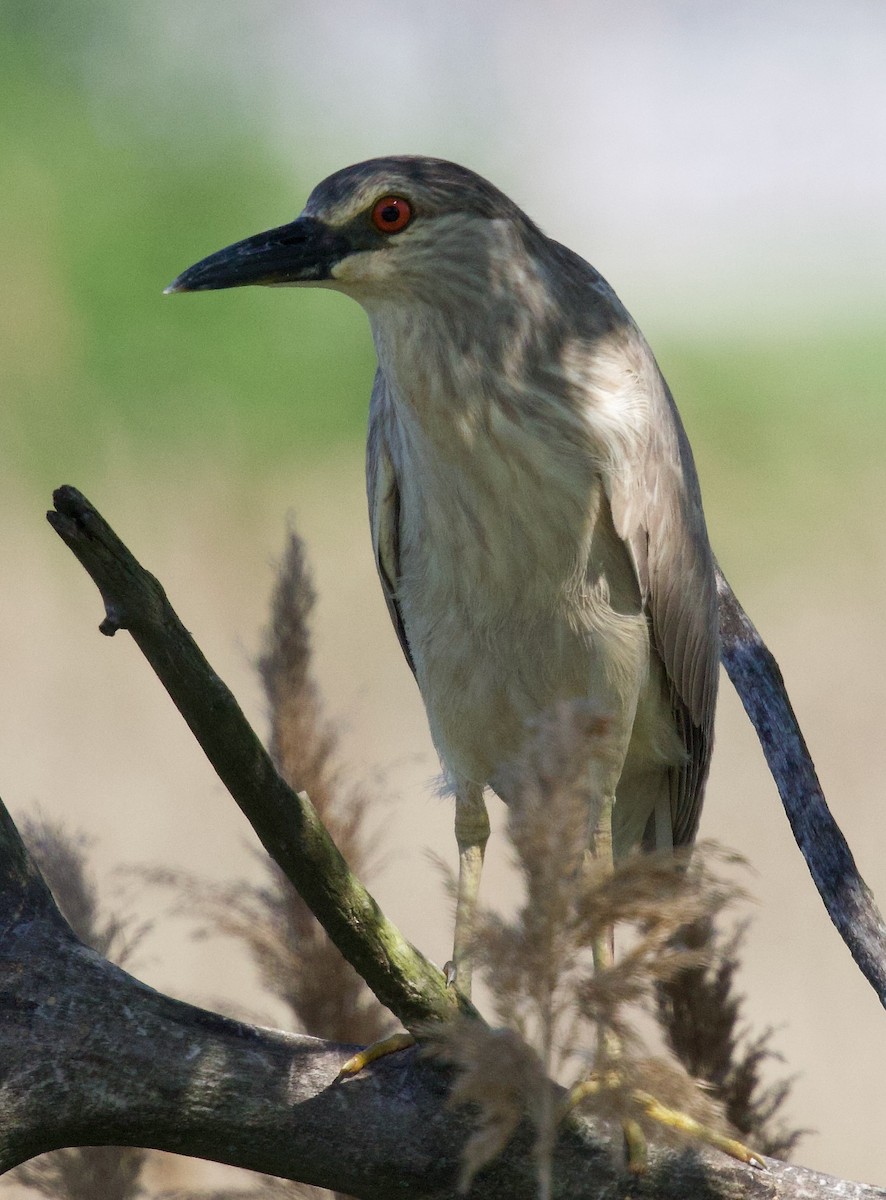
[724, 169]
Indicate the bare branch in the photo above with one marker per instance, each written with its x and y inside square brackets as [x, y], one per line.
[285, 821]
[758, 681]
[82, 1172]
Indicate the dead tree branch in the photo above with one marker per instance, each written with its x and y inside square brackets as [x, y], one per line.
[757, 679]
[285, 821]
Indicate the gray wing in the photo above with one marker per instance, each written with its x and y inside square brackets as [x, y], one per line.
[383, 493]
[657, 511]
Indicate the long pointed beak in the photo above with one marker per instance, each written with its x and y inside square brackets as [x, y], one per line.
[304, 251]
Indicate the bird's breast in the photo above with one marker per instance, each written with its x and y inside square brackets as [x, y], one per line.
[491, 510]
[514, 589]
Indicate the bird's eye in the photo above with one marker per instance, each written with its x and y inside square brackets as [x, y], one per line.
[391, 214]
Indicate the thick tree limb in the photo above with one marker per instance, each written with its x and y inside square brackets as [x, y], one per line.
[90, 1056]
[759, 683]
[401, 977]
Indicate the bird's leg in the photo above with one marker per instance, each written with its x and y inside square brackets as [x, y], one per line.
[603, 948]
[609, 1046]
[472, 834]
[609, 1051]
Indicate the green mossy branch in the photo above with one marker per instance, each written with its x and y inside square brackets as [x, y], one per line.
[286, 822]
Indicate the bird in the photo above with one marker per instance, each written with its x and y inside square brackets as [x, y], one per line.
[534, 505]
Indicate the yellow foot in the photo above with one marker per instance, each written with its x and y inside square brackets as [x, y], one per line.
[690, 1128]
[389, 1045]
[635, 1147]
[671, 1118]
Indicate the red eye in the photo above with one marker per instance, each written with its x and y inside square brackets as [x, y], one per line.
[391, 214]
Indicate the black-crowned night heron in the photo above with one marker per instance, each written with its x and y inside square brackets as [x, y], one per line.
[534, 505]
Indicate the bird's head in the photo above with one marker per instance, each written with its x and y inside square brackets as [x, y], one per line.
[382, 230]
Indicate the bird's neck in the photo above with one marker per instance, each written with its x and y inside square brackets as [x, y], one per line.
[449, 364]
[426, 357]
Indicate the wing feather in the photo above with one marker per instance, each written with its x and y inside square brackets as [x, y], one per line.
[657, 511]
[383, 493]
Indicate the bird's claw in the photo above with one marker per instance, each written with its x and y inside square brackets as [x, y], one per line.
[373, 1052]
[670, 1118]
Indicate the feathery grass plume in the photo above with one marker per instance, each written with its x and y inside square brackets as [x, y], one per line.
[328, 997]
[62, 858]
[699, 1010]
[503, 1077]
[87, 1172]
[325, 996]
[562, 1019]
[295, 959]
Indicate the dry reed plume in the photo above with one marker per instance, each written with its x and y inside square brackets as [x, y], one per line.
[562, 1020]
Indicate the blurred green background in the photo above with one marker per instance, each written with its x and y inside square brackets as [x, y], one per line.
[724, 168]
[101, 207]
